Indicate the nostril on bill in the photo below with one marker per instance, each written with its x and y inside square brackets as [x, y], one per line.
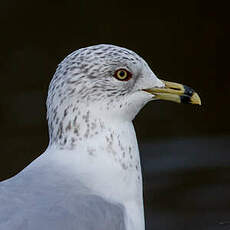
[175, 88]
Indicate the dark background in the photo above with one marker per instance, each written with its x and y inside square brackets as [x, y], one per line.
[185, 149]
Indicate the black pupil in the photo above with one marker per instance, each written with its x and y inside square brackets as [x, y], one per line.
[122, 73]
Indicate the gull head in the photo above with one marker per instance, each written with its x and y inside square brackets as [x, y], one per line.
[110, 81]
[107, 77]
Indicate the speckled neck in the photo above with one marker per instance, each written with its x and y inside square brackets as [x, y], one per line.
[70, 125]
[84, 127]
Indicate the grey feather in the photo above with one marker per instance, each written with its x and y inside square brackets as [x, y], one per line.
[29, 204]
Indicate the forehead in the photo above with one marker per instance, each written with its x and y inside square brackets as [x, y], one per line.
[104, 53]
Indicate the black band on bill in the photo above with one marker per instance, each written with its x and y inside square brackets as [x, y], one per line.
[185, 99]
[188, 91]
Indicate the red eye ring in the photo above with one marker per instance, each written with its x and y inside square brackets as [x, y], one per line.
[122, 75]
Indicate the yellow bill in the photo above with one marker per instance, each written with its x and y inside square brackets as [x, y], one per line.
[175, 92]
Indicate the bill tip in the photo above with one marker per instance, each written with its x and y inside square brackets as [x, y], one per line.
[195, 99]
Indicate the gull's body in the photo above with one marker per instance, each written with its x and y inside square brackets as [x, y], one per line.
[89, 178]
[56, 188]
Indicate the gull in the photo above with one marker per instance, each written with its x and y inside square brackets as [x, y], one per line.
[89, 177]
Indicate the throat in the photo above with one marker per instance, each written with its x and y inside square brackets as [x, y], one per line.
[94, 136]
[97, 139]
[71, 126]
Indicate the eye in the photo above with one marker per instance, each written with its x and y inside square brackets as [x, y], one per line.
[122, 75]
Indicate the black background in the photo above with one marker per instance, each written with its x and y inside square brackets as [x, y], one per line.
[181, 41]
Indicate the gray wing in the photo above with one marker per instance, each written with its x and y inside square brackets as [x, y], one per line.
[26, 206]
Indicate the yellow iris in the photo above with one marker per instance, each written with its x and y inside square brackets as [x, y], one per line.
[122, 74]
